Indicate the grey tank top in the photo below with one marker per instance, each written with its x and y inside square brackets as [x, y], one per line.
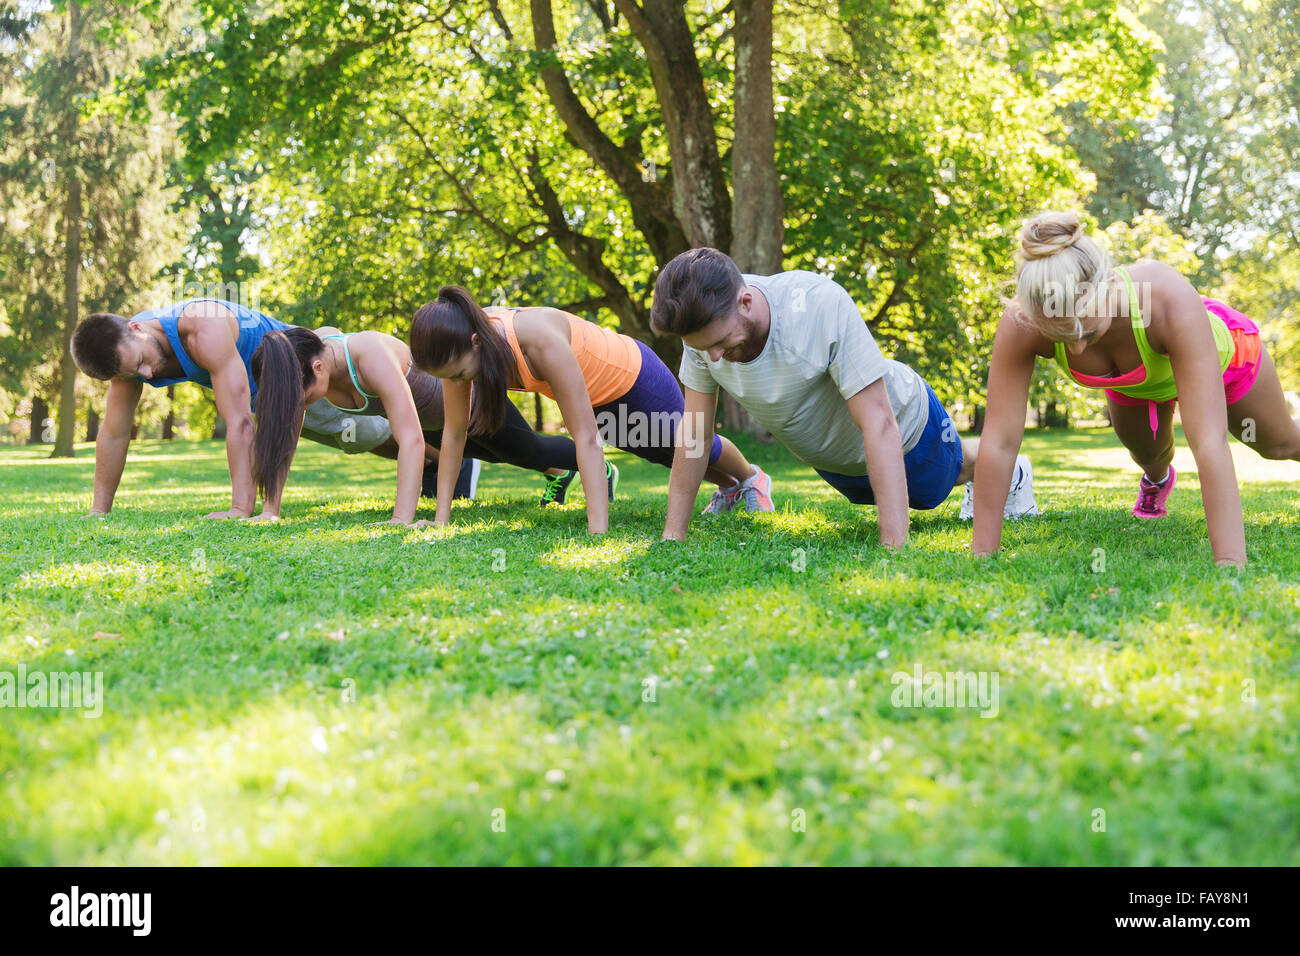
[425, 390]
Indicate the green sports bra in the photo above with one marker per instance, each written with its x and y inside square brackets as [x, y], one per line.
[1153, 380]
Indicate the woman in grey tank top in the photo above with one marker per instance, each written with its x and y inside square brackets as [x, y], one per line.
[363, 374]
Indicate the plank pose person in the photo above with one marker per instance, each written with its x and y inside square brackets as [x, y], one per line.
[591, 372]
[793, 350]
[207, 341]
[368, 374]
[1149, 339]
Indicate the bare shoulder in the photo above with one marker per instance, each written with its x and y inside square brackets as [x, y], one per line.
[204, 311]
[1160, 275]
[541, 326]
[1018, 336]
[208, 326]
[372, 344]
[1169, 302]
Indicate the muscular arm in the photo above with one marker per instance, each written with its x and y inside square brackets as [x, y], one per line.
[873, 414]
[112, 443]
[688, 470]
[210, 331]
[1010, 373]
[1186, 338]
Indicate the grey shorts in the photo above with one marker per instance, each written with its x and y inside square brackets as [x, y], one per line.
[353, 434]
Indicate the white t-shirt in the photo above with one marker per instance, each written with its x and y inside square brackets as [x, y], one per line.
[819, 353]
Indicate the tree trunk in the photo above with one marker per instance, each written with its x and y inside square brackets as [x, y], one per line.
[92, 424]
[700, 195]
[169, 423]
[40, 412]
[758, 209]
[63, 442]
[537, 412]
[977, 419]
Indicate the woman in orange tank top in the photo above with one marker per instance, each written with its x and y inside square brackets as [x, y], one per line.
[609, 387]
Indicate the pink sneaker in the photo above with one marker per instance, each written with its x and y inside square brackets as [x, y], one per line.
[1152, 497]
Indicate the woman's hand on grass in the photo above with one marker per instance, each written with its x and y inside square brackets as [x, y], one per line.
[265, 516]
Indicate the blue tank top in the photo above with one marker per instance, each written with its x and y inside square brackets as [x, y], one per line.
[252, 327]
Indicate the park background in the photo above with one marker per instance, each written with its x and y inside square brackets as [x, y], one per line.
[337, 162]
[508, 690]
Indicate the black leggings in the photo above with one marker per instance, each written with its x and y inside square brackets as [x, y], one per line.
[517, 444]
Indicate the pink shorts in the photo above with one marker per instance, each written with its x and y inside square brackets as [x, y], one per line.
[1238, 377]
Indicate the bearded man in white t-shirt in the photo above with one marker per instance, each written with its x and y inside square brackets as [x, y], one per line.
[794, 351]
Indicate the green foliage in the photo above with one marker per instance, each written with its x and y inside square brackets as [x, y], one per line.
[238, 729]
[402, 150]
[62, 123]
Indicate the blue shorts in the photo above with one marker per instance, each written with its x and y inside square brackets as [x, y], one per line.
[932, 466]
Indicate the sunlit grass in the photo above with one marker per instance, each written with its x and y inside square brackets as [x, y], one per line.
[325, 690]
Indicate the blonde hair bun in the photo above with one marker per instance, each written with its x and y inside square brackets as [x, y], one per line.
[1049, 233]
[1061, 276]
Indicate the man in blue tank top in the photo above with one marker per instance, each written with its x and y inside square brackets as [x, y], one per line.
[201, 340]
[207, 341]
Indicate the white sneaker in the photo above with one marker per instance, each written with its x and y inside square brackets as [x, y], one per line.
[1020, 501]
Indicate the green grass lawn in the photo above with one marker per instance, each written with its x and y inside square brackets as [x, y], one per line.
[511, 691]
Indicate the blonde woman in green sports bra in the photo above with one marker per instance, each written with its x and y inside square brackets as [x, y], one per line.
[1149, 339]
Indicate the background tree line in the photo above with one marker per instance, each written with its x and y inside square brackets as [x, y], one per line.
[337, 162]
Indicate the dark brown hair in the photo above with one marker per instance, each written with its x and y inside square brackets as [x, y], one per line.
[694, 289]
[94, 344]
[442, 331]
[281, 367]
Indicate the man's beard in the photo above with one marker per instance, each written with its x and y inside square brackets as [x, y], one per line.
[749, 349]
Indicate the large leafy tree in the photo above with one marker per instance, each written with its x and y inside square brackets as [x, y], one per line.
[86, 222]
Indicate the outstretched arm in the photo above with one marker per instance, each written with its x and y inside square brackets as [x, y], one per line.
[1188, 341]
[378, 368]
[211, 330]
[113, 441]
[455, 429]
[1010, 372]
[695, 431]
[555, 362]
[873, 414]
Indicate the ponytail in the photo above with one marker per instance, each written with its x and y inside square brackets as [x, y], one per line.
[442, 331]
[281, 367]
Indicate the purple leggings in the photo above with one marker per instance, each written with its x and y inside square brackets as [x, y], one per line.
[645, 418]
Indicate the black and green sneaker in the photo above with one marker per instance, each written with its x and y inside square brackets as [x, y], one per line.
[611, 477]
[557, 486]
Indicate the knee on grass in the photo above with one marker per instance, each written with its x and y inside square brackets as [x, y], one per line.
[1287, 449]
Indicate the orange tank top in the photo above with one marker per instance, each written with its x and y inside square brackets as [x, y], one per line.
[610, 361]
